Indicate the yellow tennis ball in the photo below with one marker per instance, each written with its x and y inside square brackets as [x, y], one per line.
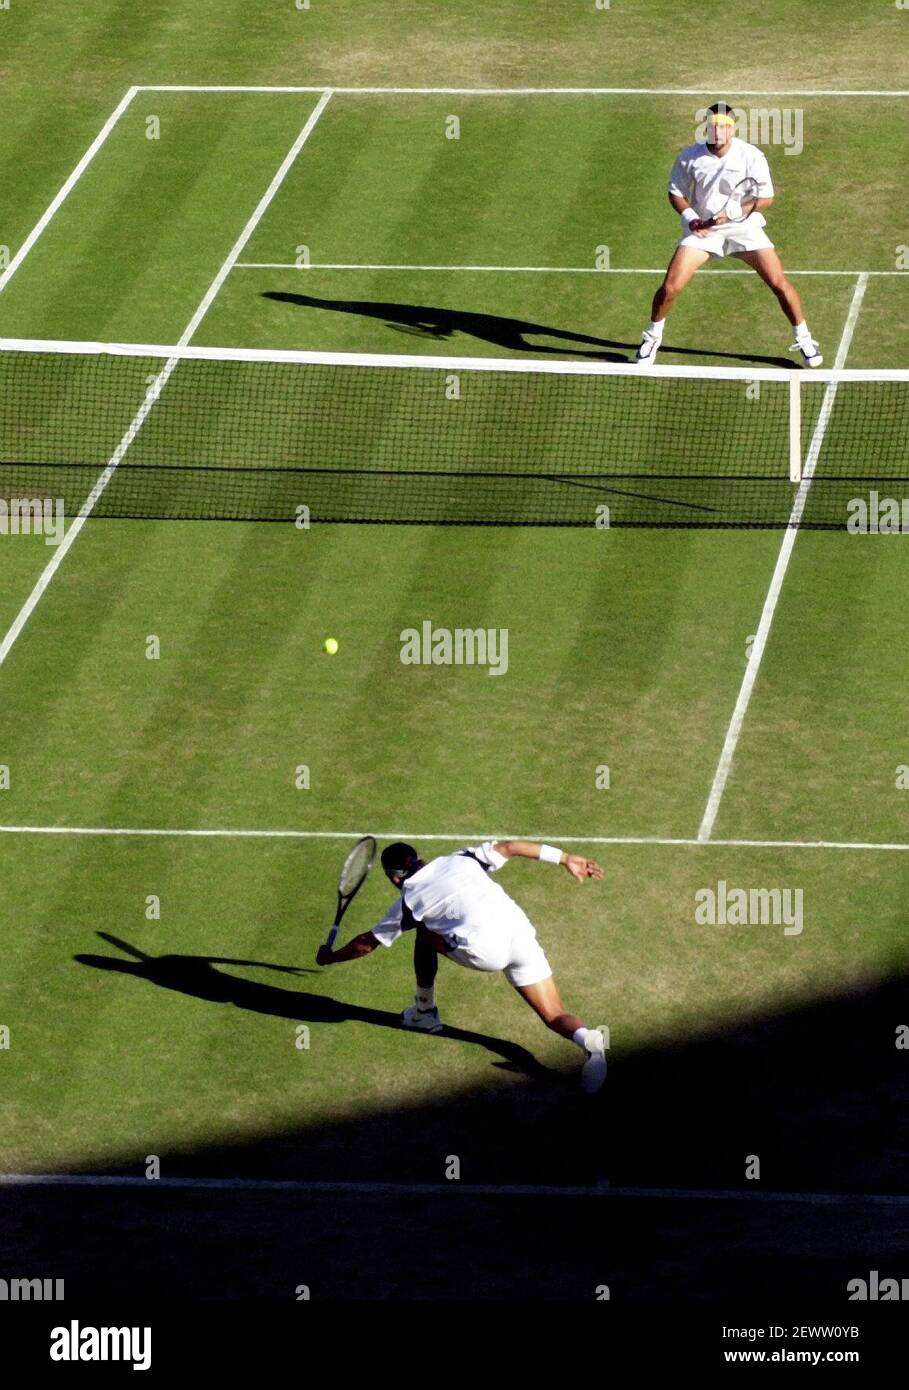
[330, 645]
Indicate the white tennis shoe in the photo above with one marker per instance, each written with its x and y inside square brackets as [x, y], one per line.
[593, 1072]
[422, 1020]
[650, 346]
[810, 350]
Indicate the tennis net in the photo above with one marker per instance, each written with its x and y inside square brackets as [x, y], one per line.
[124, 430]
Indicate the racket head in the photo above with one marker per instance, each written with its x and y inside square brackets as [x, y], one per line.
[742, 201]
[352, 877]
[356, 866]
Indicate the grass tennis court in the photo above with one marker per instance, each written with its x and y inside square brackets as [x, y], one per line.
[627, 650]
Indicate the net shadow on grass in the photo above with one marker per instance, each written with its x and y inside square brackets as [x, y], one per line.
[510, 334]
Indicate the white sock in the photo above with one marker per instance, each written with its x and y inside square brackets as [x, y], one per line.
[801, 330]
[425, 998]
[579, 1036]
[655, 326]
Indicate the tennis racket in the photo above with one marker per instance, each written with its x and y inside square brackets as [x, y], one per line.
[740, 204]
[353, 875]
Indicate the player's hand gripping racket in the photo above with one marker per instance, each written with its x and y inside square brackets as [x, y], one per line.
[353, 875]
[739, 205]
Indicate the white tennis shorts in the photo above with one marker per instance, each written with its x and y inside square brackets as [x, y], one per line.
[510, 946]
[725, 242]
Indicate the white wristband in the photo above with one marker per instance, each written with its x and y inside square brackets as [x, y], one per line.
[689, 216]
[550, 855]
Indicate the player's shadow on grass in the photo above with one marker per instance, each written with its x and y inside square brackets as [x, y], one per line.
[197, 976]
[426, 321]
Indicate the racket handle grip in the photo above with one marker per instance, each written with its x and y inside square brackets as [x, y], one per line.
[331, 937]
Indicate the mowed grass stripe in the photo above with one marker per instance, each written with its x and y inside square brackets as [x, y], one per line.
[159, 215]
[614, 664]
[825, 737]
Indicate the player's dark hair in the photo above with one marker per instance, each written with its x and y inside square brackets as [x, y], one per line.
[721, 108]
[400, 859]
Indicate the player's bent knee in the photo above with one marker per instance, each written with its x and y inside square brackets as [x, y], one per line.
[776, 280]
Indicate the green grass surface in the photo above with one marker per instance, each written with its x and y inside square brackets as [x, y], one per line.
[626, 649]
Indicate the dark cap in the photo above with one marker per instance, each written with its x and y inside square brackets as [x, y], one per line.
[721, 108]
[399, 859]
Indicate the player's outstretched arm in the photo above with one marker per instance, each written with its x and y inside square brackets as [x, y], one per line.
[362, 945]
[576, 864]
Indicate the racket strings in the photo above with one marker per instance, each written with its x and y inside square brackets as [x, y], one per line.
[357, 864]
[743, 200]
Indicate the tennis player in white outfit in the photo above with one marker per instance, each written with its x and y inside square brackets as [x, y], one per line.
[703, 179]
[458, 911]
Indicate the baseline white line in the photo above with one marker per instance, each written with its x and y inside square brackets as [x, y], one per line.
[154, 392]
[529, 91]
[67, 188]
[724, 766]
[462, 839]
[390, 1189]
[302, 1187]
[535, 269]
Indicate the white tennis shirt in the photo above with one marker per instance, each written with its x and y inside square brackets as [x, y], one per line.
[453, 896]
[707, 181]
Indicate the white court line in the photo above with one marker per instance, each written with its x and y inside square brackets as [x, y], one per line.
[533, 269]
[418, 836]
[67, 188]
[154, 392]
[530, 91]
[431, 1189]
[724, 766]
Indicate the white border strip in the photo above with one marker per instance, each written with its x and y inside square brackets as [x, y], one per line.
[420, 836]
[67, 188]
[183, 351]
[154, 391]
[724, 766]
[537, 269]
[530, 91]
[431, 1189]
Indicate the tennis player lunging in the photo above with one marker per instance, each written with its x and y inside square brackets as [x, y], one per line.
[702, 183]
[457, 911]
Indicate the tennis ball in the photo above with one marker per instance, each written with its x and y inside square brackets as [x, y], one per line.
[330, 645]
